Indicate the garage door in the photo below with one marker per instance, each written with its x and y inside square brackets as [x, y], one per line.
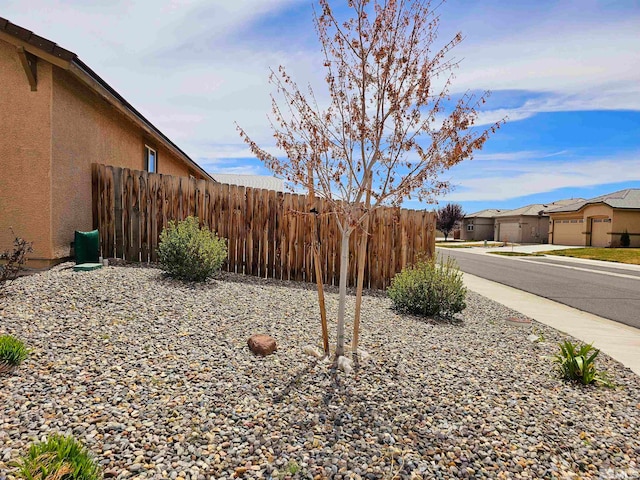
[600, 228]
[568, 232]
[509, 232]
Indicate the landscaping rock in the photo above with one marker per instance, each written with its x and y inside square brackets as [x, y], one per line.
[152, 371]
[6, 369]
[312, 351]
[345, 364]
[262, 344]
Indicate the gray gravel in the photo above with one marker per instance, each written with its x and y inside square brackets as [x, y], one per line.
[155, 377]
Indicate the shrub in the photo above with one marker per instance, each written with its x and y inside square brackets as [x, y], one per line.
[59, 457]
[189, 252]
[12, 352]
[429, 288]
[578, 364]
[625, 239]
[14, 260]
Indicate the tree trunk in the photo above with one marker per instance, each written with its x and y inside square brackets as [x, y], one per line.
[362, 258]
[344, 268]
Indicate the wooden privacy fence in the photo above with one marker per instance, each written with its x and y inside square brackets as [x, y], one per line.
[266, 232]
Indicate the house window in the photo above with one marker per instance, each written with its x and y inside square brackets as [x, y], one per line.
[151, 159]
[470, 228]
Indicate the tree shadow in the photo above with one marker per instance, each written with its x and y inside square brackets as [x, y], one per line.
[293, 284]
[295, 380]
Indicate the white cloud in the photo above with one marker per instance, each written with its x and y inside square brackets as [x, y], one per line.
[509, 180]
[516, 155]
[239, 170]
[193, 68]
[587, 65]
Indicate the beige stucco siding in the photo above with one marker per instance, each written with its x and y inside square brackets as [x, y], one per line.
[534, 229]
[482, 229]
[628, 220]
[25, 154]
[169, 165]
[86, 129]
[600, 231]
[598, 210]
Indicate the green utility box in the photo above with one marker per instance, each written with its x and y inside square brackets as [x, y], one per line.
[87, 247]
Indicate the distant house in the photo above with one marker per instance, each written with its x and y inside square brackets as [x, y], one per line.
[599, 221]
[528, 224]
[251, 181]
[57, 118]
[479, 226]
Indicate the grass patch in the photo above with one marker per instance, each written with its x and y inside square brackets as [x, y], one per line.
[620, 255]
[517, 254]
[468, 244]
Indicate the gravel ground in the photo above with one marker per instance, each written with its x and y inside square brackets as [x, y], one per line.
[155, 377]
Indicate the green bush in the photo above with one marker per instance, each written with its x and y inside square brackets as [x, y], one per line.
[429, 288]
[625, 239]
[12, 351]
[578, 364]
[59, 457]
[189, 252]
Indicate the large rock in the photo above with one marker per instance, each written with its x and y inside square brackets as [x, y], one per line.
[262, 344]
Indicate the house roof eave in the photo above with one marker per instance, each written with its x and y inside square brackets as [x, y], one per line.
[51, 52]
[81, 71]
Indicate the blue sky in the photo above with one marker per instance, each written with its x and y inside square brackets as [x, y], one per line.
[565, 73]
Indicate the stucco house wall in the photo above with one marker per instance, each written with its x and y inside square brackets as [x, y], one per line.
[616, 222]
[531, 229]
[626, 220]
[483, 229]
[86, 129]
[53, 127]
[534, 229]
[25, 154]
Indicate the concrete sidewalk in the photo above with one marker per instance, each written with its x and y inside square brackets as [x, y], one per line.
[619, 341]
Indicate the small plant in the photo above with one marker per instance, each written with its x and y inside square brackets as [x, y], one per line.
[189, 252]
[59, 457]
[12, 352]
[14, 260]
[429, 288]
[539, 334]
[293, 467]
[578, 364]
[625, 239]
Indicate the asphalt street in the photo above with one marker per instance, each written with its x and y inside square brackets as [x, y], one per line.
[605, 291]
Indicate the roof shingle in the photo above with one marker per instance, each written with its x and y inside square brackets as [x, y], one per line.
[627, 198]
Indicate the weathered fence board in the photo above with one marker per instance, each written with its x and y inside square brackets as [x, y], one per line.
[269, 234]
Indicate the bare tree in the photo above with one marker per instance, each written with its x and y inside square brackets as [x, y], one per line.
[448, 217]
[388, 131]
